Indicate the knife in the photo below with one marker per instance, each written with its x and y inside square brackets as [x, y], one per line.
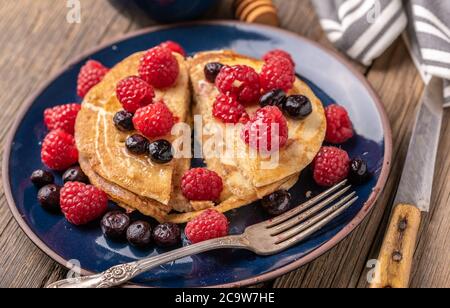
[414, 192]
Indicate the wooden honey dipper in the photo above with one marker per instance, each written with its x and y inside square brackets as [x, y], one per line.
[256, 11]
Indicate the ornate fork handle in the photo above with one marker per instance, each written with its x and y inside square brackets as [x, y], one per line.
[121, 274]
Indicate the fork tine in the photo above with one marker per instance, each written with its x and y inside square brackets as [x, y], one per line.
[308, 232]
[308, 213]
[286, 216]
[281, 237]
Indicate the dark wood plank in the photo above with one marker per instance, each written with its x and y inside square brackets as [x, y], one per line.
[432, 251]
[432, 255]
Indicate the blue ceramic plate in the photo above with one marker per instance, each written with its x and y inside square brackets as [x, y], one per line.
[329, 75]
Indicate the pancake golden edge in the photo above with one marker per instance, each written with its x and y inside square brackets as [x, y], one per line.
[244, 183]
[134, 182]
[244, 180]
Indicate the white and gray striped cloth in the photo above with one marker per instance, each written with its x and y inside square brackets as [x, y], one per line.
[364, 29]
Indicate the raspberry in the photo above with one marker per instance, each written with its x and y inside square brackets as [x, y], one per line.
[154, 120]
[228, 109]
[82, 203]
[174, 47]
[245, 118]
[62, 117]
[90, 75]
[241, 81]
[339, 126]
[278, 73]
[201, 184]
[159, 67]
[268, 57]
[260, 130]
[208, 225]
[58, 150]
[331, 166]
[134, 93]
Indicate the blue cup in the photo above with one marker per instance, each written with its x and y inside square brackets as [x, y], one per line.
[175, 10]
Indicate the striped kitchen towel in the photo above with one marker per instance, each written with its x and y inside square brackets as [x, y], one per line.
[364, 29]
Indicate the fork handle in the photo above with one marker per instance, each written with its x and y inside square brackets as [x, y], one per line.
[121, 274]
[397, 251]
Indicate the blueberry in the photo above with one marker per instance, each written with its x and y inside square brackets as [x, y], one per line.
[277, 203]
[75, 174]
[167, 235]
[123, 120]
[160, 151]
[273, 98]
[137, 144]
[48, 197]
[115, 224]
[298, 107]
[40, 178]
[212, 70]
[139, 234]
[359, 172]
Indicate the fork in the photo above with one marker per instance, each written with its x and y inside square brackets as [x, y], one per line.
[266, 238]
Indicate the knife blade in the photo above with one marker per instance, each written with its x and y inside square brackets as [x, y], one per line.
[416, 182]
[414, 192]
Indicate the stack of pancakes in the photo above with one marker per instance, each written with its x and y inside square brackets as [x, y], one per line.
[136, 183]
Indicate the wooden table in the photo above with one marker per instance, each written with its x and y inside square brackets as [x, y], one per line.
[36, 40]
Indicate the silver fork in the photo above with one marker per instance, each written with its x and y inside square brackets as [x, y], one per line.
[267, 238]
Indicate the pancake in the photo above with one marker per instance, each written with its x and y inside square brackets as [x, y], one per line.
[135, 182]
[244, 179]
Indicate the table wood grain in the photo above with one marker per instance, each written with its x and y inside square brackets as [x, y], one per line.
[36, 40]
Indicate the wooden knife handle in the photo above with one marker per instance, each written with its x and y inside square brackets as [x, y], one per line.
[397, 252]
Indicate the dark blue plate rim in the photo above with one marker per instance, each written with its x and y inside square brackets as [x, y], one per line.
[357, 220]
